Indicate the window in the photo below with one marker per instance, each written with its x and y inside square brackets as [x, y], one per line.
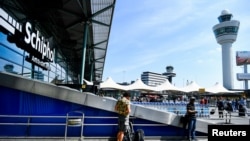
[225, 30]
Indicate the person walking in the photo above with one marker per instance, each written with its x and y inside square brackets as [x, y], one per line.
[123, 109]
[191, 112]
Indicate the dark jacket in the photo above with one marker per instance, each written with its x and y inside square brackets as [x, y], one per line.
[220, 105]
[191, 106]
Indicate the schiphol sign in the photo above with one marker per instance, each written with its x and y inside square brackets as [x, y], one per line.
[31, 40]
[38, 42]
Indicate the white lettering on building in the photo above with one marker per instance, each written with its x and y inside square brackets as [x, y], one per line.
[38, 42]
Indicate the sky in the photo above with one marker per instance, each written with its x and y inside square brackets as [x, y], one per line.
[149, 35]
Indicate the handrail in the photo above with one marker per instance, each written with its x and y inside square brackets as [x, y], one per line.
[85, 124]
[31, 116]
[64, 124]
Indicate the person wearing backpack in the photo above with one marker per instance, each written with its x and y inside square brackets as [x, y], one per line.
[123, 109]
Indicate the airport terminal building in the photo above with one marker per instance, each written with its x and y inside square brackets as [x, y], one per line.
[61, 42]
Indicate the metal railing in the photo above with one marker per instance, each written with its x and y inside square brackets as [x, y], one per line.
[63, 121]
[65, 117]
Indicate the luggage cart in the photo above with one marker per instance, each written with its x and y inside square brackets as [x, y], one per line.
[72, 120]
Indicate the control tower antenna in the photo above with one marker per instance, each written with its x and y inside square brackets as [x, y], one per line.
[226, 33]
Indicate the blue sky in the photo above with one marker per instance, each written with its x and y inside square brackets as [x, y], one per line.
[148, 35]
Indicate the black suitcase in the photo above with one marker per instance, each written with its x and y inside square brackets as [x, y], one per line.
[242, 111]
[130, 135]
[139, 135]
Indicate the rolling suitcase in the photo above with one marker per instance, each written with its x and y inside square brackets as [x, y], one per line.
[139, 135]
[130, 135]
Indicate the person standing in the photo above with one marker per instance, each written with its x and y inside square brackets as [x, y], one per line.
[191, 112]
[243, 102]
[123, 109]
[220, 105]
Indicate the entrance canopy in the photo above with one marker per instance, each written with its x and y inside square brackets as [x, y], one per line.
[109, 83]
[191, 87]
[139, 85]
[167, 86]
[218, 88]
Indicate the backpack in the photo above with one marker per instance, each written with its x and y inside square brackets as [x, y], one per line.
[220, 105]
[229, 107]
[121, 106]
[139, 135]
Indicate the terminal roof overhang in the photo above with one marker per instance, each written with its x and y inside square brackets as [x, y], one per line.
[64, 20]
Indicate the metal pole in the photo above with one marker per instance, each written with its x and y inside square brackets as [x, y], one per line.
[84, 46]
[245, 72]
[66, 126]
[82, 126]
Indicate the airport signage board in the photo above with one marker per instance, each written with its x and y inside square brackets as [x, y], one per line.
[28, 38]
[243, 76]
[37, 42]
[242, 58]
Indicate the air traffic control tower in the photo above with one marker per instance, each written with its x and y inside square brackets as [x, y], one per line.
[226, 33]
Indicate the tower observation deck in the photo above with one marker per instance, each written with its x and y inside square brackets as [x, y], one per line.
[226, 33]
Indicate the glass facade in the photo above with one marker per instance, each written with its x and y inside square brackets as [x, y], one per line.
[12, 60]
[226, 30]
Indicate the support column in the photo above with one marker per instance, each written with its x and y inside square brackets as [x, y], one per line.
[84, 46]
[227, 69]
